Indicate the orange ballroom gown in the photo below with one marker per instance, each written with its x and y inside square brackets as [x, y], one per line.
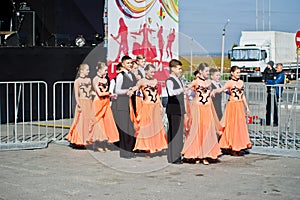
[79, 130]
[201, 141]
[102, 124]
[150, 132]
[235, 135]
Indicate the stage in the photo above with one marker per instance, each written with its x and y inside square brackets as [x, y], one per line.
[49, 64]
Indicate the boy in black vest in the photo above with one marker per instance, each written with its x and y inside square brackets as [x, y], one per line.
[175, 110]
[125, 84]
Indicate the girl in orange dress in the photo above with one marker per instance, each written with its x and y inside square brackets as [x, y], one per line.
[201, 141]
[83, 89]
[102, 125]
[150, 134]
[235, 136]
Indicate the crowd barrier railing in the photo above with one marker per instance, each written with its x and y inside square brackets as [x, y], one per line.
[277, 130]
[23, 115]
[24, 122]
[63, 105]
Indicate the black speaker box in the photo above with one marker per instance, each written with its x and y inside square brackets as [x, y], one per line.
[27, 28]
[59, 40]
[12, 40]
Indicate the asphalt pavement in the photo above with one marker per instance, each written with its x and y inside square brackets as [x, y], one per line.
[61, 172]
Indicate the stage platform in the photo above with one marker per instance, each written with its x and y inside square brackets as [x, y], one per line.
[49, 64]
[41, 63]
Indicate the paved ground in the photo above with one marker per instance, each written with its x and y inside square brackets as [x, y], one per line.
[60, 172]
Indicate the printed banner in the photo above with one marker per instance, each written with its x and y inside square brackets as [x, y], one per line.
[146, 27]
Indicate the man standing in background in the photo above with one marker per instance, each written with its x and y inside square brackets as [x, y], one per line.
[278, 91]
[269, 74]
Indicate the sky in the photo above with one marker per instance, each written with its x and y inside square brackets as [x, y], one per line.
[204, 21]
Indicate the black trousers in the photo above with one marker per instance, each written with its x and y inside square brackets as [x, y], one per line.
[126, 134]
[175, 137]
[268, 108]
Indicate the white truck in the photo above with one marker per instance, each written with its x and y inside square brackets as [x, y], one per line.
[256, 48]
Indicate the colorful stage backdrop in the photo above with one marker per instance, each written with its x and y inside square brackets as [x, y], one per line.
[147, 27]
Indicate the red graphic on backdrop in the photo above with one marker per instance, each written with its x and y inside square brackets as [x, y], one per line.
[161, 41]
[171, 39]
[145, 48]
[123, 35]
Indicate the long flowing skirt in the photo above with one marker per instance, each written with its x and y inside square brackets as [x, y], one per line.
[135, 115]
[79, 130]
[202, 141]
[102, 124]
[150, 135]
[235, 135]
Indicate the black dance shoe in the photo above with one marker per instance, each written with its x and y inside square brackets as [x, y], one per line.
[237, 153]
[178, 162]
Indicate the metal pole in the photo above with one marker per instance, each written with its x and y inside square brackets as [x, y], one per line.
[296, 88]
[223, 44]
[269, 15]
[297, 65]
[222, 56]
[191, 67]
[256, 15]
[263, 15]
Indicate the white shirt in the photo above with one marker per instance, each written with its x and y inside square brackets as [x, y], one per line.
[170, 86]
[119, 82]
[112, 86]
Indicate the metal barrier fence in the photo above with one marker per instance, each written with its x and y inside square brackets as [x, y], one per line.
[285, 135]
[24, 122]
[62, 109]
[268, 134]
[23, 107]
[63, 104]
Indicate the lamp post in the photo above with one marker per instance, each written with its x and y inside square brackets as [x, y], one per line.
[223, 41]
[191, 67]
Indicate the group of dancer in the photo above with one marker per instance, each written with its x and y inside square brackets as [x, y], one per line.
[127, 111]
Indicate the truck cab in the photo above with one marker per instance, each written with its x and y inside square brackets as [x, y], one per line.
[250, 58]
[256, 48]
